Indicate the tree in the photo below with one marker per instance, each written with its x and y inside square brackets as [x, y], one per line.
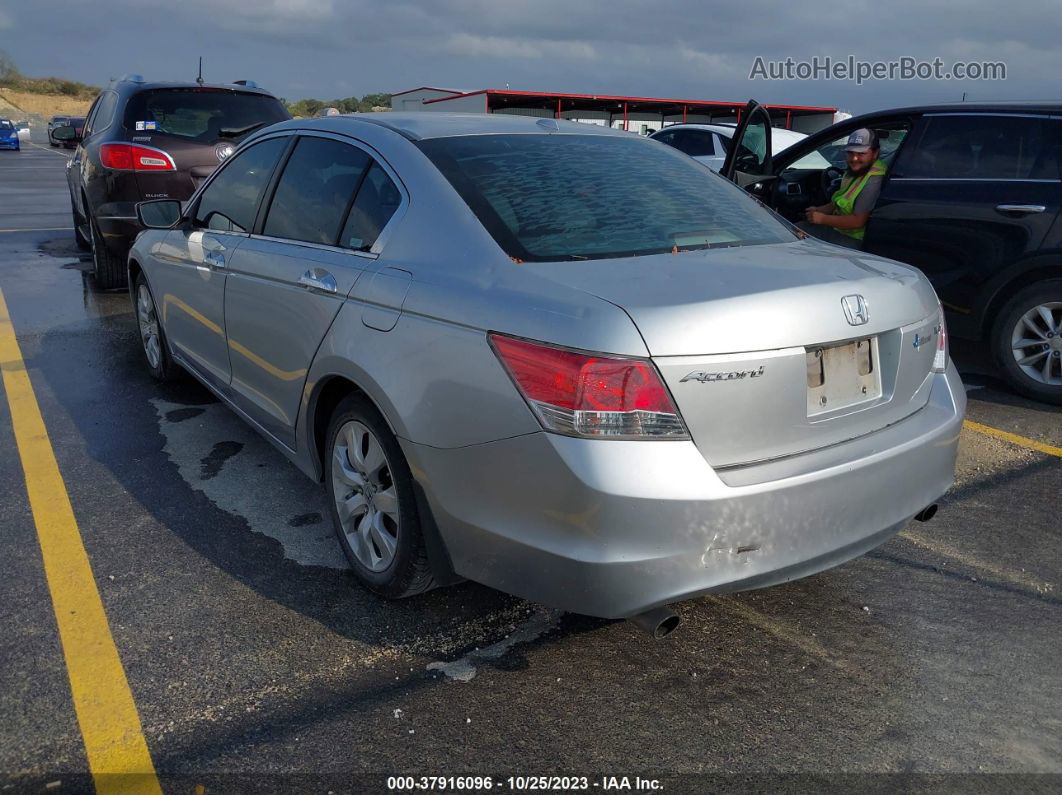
[8, 70]
[370, 101]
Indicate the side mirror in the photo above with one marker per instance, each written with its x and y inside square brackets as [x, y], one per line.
[66, 133]
[158, 214]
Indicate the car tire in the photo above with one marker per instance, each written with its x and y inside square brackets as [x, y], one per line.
[82, 242]
[108, 269]
[152, 337]
[379, 529]
[1027, 341]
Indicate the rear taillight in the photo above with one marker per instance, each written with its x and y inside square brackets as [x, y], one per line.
[582, 394]
[940, 360]
[130, 157]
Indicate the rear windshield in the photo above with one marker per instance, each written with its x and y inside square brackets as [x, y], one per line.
[201, 114]
[572, 197]
[6, 125]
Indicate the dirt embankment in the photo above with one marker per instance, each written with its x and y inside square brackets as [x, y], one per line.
[19, 103]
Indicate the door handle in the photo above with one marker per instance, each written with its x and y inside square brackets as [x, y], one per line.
[318, 279]
[1020, 209]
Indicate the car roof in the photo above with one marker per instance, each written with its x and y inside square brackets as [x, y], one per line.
[429, 124]
[138, 86]
[1030, 106]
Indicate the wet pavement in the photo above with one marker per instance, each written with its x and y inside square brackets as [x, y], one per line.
[257, 664]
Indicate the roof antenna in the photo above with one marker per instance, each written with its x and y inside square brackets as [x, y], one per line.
[200, 78]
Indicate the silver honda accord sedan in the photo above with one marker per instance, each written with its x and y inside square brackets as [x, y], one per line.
[563, 361]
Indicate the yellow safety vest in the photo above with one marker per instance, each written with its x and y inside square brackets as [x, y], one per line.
[845, 197]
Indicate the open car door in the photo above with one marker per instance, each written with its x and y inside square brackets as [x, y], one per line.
[749, 158]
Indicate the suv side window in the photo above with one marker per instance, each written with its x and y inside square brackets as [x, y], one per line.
[90, 120]
[230, 201]
[984, 147]
[102, 113]
[315, 190]
[377, 200]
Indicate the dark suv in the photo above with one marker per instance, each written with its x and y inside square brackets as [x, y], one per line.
[972, 197]
[146, 141]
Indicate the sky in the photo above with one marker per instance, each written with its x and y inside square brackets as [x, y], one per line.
[663, 48]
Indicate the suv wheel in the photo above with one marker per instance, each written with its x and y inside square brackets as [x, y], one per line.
[152, 338]
[1027, 341]
[108, 269]
[373, 507]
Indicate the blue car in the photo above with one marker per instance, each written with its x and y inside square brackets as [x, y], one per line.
[8, 135]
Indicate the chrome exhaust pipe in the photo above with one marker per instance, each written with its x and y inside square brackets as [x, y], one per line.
[927, 513]
[657, 623]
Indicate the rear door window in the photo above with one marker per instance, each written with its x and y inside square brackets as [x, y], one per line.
[230, 201]
[205, 115]
[985, 147]
[315, 190]
[377, 200]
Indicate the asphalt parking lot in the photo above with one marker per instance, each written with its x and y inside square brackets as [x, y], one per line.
[255, 663]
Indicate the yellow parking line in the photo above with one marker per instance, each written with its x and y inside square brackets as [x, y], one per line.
[117, 753]
[1013, 438]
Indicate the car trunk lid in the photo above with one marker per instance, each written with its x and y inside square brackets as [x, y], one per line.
[757, 347]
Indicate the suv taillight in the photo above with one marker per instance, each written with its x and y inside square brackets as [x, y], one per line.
[130, 157]
[590, 395]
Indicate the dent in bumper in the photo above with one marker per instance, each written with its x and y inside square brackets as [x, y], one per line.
[611, 528]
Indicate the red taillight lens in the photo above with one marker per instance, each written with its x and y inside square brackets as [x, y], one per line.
[587, 395]
[940, 359]
[128, 157]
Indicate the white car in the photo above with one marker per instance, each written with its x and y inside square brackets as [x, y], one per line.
[709, 143]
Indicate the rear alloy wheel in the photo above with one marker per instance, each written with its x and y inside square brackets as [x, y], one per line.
[1027, 340]
[152, 339]
[108, 269]
[372, 503]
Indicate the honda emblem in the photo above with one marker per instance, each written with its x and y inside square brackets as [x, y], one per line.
[855, 309]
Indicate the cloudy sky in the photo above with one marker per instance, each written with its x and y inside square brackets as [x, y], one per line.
[667, 48]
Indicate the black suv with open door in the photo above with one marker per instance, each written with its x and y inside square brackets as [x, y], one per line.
[146, 141]
[971, 197]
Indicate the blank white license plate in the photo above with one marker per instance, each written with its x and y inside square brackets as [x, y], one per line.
[843, 375]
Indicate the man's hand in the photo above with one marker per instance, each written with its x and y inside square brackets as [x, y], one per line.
[813, 215]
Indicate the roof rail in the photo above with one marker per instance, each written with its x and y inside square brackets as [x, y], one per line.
[131, 78]
[248, 83]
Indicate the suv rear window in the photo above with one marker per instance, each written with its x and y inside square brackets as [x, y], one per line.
[201, 114]
[571, 197]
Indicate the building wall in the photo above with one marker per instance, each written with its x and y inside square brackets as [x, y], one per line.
[414, 100]
[477, 103]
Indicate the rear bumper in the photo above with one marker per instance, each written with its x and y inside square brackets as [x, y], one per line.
[612, 528]
[118, 224]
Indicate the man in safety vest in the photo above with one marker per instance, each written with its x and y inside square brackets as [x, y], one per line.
[843, 221]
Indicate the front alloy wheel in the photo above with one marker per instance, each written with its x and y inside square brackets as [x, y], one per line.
[152, 337]
[149, 325]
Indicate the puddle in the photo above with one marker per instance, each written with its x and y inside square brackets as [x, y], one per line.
[216, 453]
